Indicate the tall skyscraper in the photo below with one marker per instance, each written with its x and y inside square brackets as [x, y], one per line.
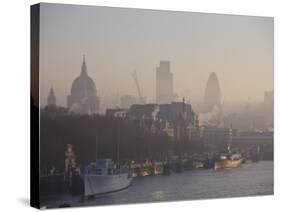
[268, 104]
[268, 98]
[164, 83]
[83, 98]
[51, 100]
[212, 97]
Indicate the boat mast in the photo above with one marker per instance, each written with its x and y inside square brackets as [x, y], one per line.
[118, 144]
[96, 147]
[230, 137]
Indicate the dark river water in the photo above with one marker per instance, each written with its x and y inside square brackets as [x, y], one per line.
[249, 179]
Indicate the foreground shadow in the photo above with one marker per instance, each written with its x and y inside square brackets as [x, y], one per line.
[24, 201]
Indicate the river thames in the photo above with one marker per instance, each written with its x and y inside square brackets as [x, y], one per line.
[250, 179]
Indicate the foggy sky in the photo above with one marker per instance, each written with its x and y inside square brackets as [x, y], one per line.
[117, 41]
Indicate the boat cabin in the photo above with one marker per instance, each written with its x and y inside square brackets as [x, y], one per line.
[101, 167]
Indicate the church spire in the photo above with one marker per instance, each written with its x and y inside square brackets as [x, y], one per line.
[52, 91]
[51, 100]
[84, 67]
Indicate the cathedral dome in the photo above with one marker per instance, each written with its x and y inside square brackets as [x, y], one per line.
[83, 85]
[83, 95]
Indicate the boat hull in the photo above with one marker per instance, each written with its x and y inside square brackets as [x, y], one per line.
[227, 164]
[100, 184]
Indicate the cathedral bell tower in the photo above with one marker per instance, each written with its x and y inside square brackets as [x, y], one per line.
[51, 100]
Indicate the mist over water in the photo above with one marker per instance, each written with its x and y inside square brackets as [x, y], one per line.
[248, 180]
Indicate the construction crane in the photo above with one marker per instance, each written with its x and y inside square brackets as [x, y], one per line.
[135, 77]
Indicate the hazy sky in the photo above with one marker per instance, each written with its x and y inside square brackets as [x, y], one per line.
[116, 41]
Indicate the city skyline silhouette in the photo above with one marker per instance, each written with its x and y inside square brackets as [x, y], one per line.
[239, 49]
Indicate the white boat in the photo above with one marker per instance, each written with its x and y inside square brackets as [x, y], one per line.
[103, 177]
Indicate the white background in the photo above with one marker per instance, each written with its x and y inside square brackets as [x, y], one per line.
[14, 105]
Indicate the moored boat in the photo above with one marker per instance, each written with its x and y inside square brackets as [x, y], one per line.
[104, 177]
[228, 161]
